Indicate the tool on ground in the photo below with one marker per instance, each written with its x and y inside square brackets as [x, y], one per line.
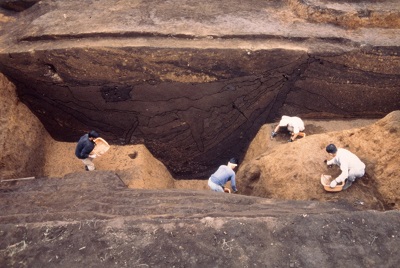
[19, 179]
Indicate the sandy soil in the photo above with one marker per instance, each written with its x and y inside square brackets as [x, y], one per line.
[152, 174]
[271, 168]
[278, 169]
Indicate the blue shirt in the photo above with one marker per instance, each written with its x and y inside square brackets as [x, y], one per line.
[223, 175]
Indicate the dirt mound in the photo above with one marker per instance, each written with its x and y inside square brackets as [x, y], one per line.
[292, 170]
[134, 164]
[90, 219]
[22, 136]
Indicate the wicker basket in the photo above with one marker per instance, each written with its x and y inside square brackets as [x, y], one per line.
[326, 181]
[101, 147]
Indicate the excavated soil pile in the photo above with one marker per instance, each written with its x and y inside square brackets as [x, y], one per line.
[278, 169]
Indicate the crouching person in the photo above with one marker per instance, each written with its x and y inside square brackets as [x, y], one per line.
[350, 165]
[224, 174]
[293, 124]
[84, 147]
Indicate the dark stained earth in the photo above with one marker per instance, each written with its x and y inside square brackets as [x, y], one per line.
[92, 220]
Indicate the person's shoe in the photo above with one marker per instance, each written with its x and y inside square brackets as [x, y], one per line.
[347, 184]
[86, 168]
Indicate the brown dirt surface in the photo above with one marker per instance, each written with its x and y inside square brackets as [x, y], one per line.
[278, 169]
[22, 136]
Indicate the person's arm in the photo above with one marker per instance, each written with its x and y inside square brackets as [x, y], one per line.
[233, 183]
[344, 167]
[87, 150]
[274, 133]
[294, 136]
[331, 162]
[295, 133]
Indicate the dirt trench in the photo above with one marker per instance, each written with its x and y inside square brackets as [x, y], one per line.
[270, 169]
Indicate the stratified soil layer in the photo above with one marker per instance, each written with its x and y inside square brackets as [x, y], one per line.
[194, 82]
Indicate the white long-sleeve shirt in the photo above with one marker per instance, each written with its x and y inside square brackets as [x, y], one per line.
[346, 160]
[294, 124]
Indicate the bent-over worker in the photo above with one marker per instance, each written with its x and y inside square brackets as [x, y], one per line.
[84, 147]
[224, 174]
[293, 124]
[350, 165]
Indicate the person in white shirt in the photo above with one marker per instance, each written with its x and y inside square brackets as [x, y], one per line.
[294, 124]
[350, 165]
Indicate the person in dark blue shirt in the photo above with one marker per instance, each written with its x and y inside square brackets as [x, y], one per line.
[224, 174]
[84, 147]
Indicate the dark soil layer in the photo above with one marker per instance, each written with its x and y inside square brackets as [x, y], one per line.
[93, 220]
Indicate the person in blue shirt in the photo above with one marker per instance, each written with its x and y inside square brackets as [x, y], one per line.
[224, 174]
[84, 147]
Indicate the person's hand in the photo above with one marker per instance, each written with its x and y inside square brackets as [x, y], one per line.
[333, 184]
[326, 162]
[226, 190]
[93, 155]
[273, 134]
